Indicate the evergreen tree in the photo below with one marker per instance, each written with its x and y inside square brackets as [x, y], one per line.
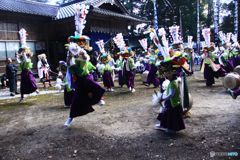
[228, 21]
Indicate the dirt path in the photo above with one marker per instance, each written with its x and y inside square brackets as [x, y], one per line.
[123, 129]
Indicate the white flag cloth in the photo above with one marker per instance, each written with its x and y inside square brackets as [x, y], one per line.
[190, 44]
[81, 12]
[143, 43]
[23, 37]
[174, 31]
[206, 35]
[119, 41]
[100, 45]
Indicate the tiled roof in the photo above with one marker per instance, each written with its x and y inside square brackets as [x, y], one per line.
[64, 11]
[68, 10]
[114, 14]
[28, 7]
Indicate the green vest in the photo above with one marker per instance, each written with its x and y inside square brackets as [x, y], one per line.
[175, 100]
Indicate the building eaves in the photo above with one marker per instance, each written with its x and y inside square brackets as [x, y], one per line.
[29, 7]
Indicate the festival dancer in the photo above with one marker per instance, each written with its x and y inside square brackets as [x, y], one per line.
[152, 75]
[209, 68]
[94, 58]
[119, 68]
[128, 62]
[190, 54]
[160, 75]
[39, 67]
[144, 57]
[171, 118]
[43, 69]
[106, 70]
[224, 58]
[207, 56]
[112, 64]
[227, 56]
[108, 66]
[129, 69]
[178, 61]
[46, 69]
[235, 50]
[28, 82]
[87, 91]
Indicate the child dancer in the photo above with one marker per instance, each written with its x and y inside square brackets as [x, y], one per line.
[129, 70]
[106, 70]
[119, 68]
[171, 118]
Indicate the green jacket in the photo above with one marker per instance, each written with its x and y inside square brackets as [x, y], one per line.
[82, 68]
[212, 56]
[26, 65]
[119, 63]
[131, 63]
[107, 67]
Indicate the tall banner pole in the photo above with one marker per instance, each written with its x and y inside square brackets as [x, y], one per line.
[216, 4]
[198, 27]
[155, 21]
[236, 18]
[180, 19]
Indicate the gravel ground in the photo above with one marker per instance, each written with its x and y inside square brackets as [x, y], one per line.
[120, 130]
